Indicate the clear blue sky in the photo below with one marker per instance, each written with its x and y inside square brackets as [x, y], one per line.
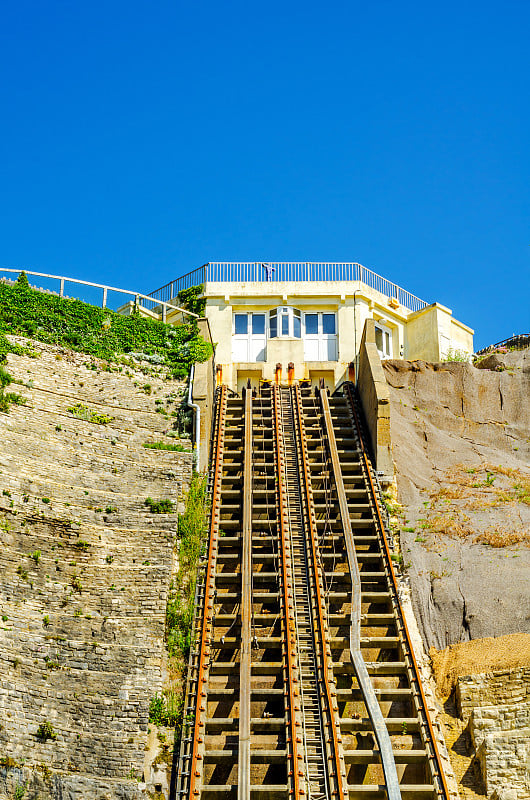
[139, 140]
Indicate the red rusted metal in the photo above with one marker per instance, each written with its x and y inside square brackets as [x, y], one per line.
[289, 622]
[278, 373]
[332, 710]
[200, 708]
[290, 373]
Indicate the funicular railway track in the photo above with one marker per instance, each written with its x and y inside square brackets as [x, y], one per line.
[302, 681]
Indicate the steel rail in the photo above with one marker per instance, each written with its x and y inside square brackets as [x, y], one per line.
[197, 757]
[421, 702]
[336, 755]
[243, 770]
[370, 699]
[293, 738]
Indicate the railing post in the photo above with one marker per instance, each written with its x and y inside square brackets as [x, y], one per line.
[104, 304]
[61, 290]
[164, 312]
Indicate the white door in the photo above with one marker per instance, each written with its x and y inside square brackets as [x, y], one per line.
[311, 337]
[329, 338]
[383, 340]
[320, 336]
[248, 340]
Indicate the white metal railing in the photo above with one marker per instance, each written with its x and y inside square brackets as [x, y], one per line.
[148, 301]
[289, 271]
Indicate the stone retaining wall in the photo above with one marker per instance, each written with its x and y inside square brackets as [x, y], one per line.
[497, 706]
[85, 569]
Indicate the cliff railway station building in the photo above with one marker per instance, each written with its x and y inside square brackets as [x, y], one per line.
[306, 319]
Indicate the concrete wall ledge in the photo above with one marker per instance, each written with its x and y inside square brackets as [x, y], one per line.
[375, 399]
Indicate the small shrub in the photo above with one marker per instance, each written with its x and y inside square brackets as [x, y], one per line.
[46, 731]
[20, 790]
[22, 572]
[46, 620]
[82, 545]
[457, 355]
[178, 448]
[159, 506]
[46, 500]
[35, 556]
[79, 411]
[111, 510]
[109, 559]
[76, 584]
[4, 617]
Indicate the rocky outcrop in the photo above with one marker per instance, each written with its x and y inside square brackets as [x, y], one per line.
[85, 568]
[461, 448]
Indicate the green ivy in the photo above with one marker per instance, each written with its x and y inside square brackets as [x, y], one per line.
[97, 331]
[192, 299]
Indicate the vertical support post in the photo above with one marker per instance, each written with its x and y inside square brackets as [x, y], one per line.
[164, 312]
[61, 289]
[104, 303]
[243, 771]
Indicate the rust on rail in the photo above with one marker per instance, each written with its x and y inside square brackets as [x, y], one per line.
[331, 700]
[205, 631]
[286, 582]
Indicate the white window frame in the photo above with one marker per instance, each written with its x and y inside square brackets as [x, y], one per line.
[279, 313]
[254, 344]
[325, 344]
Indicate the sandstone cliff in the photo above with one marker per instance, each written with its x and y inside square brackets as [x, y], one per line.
[461, 447]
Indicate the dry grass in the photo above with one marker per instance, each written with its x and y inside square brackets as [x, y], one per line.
[483, 488]
[495, 537]
[478, 656]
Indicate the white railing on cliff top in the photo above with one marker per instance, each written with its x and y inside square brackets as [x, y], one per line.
[143, 300]
[249, 271]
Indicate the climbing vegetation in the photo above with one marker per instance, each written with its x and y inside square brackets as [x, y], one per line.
[97, 331]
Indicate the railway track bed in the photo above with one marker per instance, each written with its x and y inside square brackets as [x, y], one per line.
[302, 681]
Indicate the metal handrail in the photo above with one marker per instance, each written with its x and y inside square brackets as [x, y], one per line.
[286, 271]
[137, 295]
[518, 342]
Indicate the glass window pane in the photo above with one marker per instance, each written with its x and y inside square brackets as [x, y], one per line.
[296, 327]
[379, 339]
[296, 312]
[273, 327]
[241, 323]
[285, 325]
[387, 343]
[311, 323]
[258, 323]
[328, 323]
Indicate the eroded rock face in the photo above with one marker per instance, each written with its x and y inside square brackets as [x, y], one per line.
[461, 444]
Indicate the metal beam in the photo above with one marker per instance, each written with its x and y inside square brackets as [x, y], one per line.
[369, 696]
